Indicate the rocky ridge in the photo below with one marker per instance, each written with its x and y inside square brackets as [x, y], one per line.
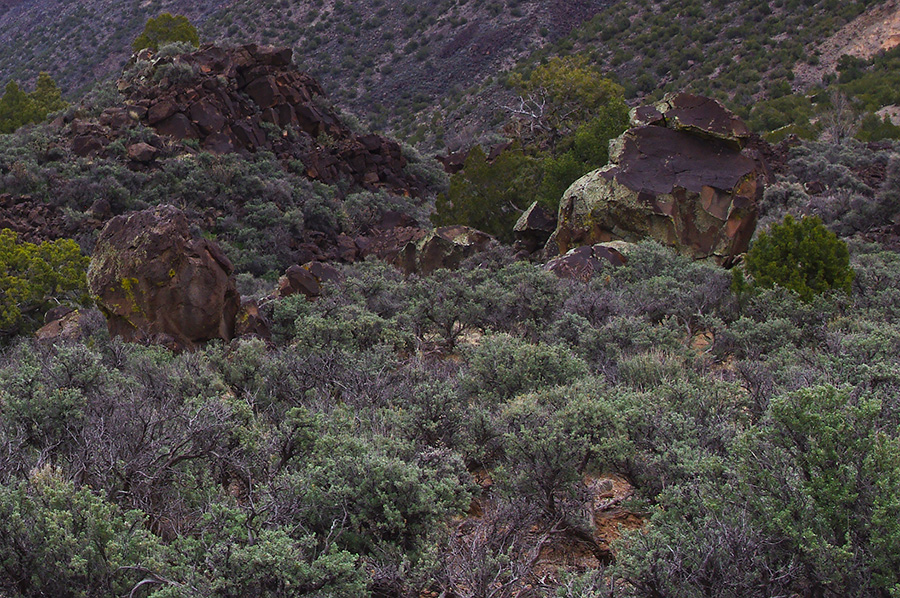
[242, 99]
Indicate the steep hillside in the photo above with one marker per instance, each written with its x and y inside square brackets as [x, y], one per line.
[737, 50]
[434, 73]
[874, 31]
[379, 57]
[79, 43]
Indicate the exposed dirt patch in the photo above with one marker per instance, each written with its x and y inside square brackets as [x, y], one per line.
[892, 112]
[539, 549]
[608, 516]
[873, 31]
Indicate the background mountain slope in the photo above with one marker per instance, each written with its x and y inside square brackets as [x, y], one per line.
[435, 71]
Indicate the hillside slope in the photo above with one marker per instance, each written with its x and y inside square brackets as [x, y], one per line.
[433, 73]
[378, 56]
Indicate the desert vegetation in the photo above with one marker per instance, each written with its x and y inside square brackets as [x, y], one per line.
[663, 427]
[336, 459]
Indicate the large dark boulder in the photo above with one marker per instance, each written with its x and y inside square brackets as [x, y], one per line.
[680, 178]
[156, 282]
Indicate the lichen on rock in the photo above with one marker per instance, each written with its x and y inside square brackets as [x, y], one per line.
[679, 177]
[155, 282]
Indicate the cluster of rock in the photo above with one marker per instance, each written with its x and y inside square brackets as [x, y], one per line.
[223, 98]
[36, 222]
[156, 281]
[680, 176]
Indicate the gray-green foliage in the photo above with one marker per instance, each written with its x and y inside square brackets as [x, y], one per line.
[336, 461]
[258, 209]
[60, 540]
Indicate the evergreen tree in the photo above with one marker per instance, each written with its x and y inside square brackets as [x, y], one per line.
[166, 29]
[490, 196]
[46, 97]
[16, 108]
[35, 277]
[801, 256]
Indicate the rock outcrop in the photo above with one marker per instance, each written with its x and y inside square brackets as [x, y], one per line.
[582, 263]
[444, 247]
[36, 222]
[242, 99]
[155, 282]
[679, 176]
[533, 228]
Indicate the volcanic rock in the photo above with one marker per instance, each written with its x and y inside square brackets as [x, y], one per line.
[228, 96]
[533, 228]
[66, 325]
[388, 243]
[298, 280]
[704, 117]
[444, 247]
[689, 187]
[142, 152]
[250, 323]
[306, 279]
[155, 281]
[582, 263]
[35, 222]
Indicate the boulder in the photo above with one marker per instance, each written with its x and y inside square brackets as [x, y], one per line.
[444, 247]
[67, 325]
[250, 323]
[142, 152]
[322, 271]
[298, 279]
[389, 244]
[306, 279]
[156, 282]
[533, 228]
[686, 184]
[704, 117]
[582, 263]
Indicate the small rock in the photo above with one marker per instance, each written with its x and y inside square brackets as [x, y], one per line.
[582, 263]
[250, 323]
[298, 279]
[142, 152]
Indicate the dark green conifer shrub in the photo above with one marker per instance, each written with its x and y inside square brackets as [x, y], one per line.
[35, 277]
[802, 256]
[164, 29]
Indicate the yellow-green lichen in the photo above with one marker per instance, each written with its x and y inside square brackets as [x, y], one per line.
[128, 286]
